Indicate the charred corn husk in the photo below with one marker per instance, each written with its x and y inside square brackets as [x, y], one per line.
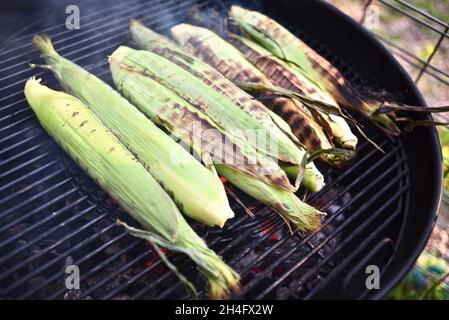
[285, 45]
[287, 77]
[84, 138]
[303, 216]
[168, 110]
[152, 41]
[196, 189]
[238, 123]
[149, 40]
[254, 174]
[227, 59]
[217, 106]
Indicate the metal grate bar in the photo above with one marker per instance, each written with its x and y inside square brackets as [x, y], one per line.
[4, 128]
[57, 259]
[304, 278]
[56, 27]
[413, 64]
[362, 245]
[160, 279]
[17, 102]
[104, 39]
[147, 270]
[78, 262]
[33, 198]
[24, 165]
[14, 134]
[11, 115]
[31, 186]
[132, 280]
[415, 57]
[100, 266]
[110, 20]
[20, 143]
[49, 248]
[12, 95]
[89, 39]
[325, 241]
[27, 175]
[429, 59]
[30, 116]
[423, 13]
[181, 266]
[26, 152]
[76, 59]
[277, 227]
[97, 33]
[65, 39]
[116, 273]
[269, 269]
[418, 20]
[28, 215]
[43, 221]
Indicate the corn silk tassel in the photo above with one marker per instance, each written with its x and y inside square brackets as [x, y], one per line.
[105, 159]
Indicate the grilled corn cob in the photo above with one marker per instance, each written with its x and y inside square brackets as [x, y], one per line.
[149, 40]
[196, 190]
[220, 54]
[285, 45]
[191, 126]
[160, 45]
[165, 108]
[235, 121]
[287, 77]
[78, 131]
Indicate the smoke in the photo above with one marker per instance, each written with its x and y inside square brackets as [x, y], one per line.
[213, 14]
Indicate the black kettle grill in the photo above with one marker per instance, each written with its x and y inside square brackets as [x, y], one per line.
[381, 207]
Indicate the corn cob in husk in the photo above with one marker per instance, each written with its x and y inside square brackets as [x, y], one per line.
[82, 136]
[171, 112]
[227, 59]
[287, 77]
[285, 45]
[238, 123]
[193, 128]
[152, 41]
[196, 189]
[147, 39]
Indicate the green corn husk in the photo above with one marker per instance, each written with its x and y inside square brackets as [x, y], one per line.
[227, 59]
[218, 107]
[287, 77]
[147, 39]
[287, 204]
[78, 131]
[196, 190]
[174, 114]
[285, 45]
[187, 124]
[150, 40]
